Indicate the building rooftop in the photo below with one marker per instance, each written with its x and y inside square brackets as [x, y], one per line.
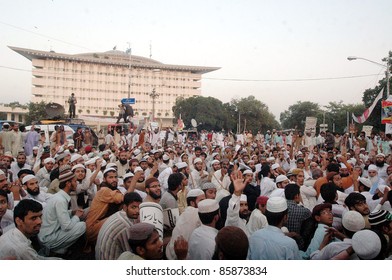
[112, 57]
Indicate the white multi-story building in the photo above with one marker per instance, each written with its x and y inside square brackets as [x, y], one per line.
[100, 80]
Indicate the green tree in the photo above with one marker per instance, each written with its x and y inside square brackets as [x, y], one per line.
[212, 114]
[253, 115]
[296, 114]
[336, 115]
[207, 111]
[37, 112]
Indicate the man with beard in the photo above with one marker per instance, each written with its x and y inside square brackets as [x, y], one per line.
[18, 165]
[153, 190]
[106, 202]
[357, 202]
[30, 159]
[198, 176]
[381, 166]
[374, 178]
[61, 228]
[4, 185]
[122, 163]
[221, 178]
[30, 184]
[238, 211]
[16, 243]
[43, 175]
[113, 236]
[169, 198]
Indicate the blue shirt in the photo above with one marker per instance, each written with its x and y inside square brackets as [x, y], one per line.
[270, 243]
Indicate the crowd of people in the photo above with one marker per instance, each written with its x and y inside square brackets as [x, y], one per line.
[154, 194]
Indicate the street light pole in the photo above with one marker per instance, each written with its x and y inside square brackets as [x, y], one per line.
[374, 62]
[154, 95]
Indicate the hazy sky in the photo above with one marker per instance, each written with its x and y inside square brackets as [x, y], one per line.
[261, 46]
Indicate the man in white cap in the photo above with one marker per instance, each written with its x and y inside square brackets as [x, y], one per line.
[221, 178]
[382, 166]
[281, 182]
[31, 159]
[198, 176]
[238, 211]
[43, 175]
[202, 240]
[30, 183]
[188, 221]
[374, 178]
[270, 243]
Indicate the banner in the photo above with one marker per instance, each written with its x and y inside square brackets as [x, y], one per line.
[386, 111]
[368, 111]
[367, 129]
[310, 125]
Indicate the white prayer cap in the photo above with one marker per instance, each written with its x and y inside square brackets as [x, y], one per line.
[194, 193]
[128, 175]
[382, 188]
[35, 148]
[281, 178]
[165, 157]
[244, 197]
[108, 170]
[75, 157]
[365, 181]
[90, 161]
[2, 172]
[274, 166]
[208, 206]
[181, 164]
[28, 178]
[276, 204]
[353, 221]
[215, 161]
[136, 152]
[247, 171]
[380, 155]
[49, 159]
[366, 244]
[111, 165]
[372, 167]
[342, 165]
[196, 160]
[78, 166]
[208, 185]
[138, 169]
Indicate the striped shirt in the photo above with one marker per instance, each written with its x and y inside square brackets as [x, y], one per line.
[112, 238]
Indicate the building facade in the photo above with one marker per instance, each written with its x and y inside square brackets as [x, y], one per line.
[100, 80]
